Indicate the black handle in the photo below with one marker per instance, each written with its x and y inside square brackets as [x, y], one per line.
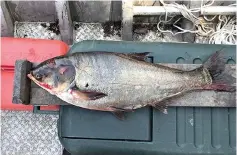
[36, 110]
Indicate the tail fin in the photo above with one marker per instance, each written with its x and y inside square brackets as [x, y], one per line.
[220, 80]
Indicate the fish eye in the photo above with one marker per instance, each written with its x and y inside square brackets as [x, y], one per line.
[38, 76]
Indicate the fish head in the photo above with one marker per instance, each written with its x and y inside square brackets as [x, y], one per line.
[55, 76]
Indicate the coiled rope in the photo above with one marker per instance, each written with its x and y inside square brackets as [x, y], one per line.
[224, 32]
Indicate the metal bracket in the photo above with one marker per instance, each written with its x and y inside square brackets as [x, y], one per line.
[127, 22]
[36, 110]
[65, 22]
[7, 23]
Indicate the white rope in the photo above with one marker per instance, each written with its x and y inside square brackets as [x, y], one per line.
[224, 32]
[187, 13]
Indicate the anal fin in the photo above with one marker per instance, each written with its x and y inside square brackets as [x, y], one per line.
[119, 114]
[161, 106]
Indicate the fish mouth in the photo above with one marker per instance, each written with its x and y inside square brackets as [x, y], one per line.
[32, 78]
[41, 84]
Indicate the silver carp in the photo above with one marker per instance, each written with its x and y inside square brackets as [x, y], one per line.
[118, 82]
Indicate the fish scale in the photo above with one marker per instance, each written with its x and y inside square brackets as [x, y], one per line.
[127, 74]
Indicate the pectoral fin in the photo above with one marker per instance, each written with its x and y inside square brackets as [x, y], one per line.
[87, 95]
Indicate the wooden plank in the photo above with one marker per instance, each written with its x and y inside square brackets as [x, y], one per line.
[40, 96]
[205, 99]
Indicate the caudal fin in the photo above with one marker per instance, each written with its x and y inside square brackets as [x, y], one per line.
[220, 80]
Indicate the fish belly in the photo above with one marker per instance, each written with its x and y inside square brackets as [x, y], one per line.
[128, 84]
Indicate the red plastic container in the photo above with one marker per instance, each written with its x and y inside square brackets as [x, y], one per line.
[35, 50]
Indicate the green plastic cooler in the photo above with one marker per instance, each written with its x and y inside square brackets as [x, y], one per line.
[147, 131]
